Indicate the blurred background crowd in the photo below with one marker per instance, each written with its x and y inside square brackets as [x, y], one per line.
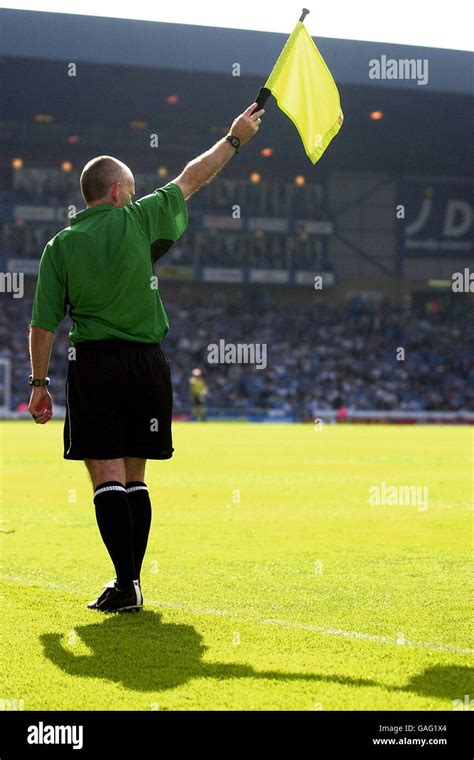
[318, 357]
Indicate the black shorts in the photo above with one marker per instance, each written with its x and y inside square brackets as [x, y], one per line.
[118, 401]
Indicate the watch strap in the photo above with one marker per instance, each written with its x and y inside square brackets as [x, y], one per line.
[234, 141]
[35, 383]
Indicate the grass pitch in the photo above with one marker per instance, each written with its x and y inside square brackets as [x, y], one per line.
[270, 581]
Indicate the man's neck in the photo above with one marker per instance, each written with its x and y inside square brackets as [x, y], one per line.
[99, 203]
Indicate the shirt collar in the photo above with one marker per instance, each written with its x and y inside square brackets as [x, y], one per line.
[89, 211]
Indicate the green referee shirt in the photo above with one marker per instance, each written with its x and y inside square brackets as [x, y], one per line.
[101, 266]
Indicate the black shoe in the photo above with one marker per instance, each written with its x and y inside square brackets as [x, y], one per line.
[126, 599]
[108, 588]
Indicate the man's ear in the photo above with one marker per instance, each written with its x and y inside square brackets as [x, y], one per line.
[114, 193]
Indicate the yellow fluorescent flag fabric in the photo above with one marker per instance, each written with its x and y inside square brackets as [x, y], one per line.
[305, 90]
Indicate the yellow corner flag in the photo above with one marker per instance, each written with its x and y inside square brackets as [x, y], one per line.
[305, 90]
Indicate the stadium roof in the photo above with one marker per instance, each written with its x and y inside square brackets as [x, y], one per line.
[126, 71]
[58, 36]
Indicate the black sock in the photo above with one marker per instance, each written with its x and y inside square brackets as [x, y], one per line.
[115, 521]
[139, 500]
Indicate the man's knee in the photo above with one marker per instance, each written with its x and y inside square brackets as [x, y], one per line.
[135, 469]
[104, 470]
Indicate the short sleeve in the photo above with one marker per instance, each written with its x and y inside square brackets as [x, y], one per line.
[49, 305]
[162, 214]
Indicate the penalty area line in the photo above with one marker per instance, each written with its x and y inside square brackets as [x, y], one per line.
[376, 638]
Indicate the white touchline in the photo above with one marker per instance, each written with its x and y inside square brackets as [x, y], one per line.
[379, 639]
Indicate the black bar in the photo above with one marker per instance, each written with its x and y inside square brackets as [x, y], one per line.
[445, 733]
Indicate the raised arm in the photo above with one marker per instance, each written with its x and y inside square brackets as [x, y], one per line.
[202, 169]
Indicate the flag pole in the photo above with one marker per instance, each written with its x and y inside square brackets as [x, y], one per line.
[264, 93]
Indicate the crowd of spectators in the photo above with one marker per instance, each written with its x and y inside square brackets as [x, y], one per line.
[317, 357]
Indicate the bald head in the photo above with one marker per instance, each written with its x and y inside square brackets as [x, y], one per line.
[107, 180]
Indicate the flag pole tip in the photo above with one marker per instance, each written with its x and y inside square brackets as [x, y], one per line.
[304, 13]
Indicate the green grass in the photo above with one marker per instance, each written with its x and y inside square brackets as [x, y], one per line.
[264, 564]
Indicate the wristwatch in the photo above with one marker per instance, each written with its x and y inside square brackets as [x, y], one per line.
[234, 141]
[38, 383]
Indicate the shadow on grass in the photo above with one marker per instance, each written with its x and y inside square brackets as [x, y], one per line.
[142, 653]
[442, 681]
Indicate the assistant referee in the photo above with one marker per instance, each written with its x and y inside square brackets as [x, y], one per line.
[118, 389]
